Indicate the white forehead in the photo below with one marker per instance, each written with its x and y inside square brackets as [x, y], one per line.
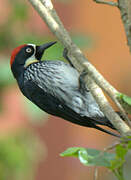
[34, 48]
[32, 45]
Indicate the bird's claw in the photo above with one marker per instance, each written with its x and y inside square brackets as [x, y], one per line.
[65, 55]
[82, 85]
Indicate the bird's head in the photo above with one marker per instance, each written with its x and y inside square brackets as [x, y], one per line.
[26, 54]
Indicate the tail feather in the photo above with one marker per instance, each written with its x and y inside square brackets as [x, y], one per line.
[106, 131]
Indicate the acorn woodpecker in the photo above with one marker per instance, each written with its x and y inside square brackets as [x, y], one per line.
[56, 87]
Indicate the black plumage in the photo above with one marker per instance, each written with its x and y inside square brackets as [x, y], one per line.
[55, 87]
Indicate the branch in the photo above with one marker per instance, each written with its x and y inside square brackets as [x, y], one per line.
[47, 12]
[125, 11]
[110, 90]
[111, 3]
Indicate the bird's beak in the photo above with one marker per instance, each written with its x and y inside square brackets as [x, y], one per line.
[40, 49]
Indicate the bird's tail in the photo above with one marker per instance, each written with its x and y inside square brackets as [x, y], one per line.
[106, 131]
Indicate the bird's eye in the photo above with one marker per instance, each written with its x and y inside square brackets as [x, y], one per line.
[28, 50]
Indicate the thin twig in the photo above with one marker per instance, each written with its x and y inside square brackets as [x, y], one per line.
[78, 60]
[110, 3]
[125, 11]
[111, 147]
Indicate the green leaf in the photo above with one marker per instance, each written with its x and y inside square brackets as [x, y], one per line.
[125, 98]
[83, 156]
[73, 151]
[90, 157]
[119, 160]
[129, 144]
[99, 158]
[121, 151]
[125, 101]
[116, 163]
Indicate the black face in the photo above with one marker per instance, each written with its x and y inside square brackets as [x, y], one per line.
[39, 53]
[29, 50]
[17, 66]
[25, 53]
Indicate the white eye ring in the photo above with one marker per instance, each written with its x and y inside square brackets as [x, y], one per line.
[28, 50]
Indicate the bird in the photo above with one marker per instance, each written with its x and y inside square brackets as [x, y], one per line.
[56, 87]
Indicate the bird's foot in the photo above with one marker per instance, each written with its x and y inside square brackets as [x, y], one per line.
[82, 85]
[65, 55]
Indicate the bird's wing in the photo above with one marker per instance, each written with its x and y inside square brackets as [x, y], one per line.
[56, 78]
[59, 86]
[52, 105]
